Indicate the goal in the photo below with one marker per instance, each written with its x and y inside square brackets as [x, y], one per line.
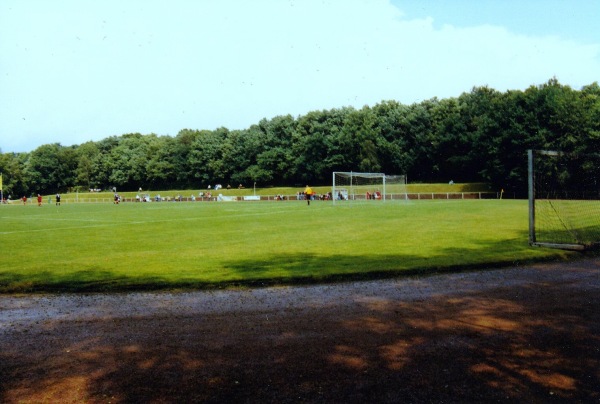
[364, 187]
[564, 199]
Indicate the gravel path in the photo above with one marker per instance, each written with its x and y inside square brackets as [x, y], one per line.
[529, 334]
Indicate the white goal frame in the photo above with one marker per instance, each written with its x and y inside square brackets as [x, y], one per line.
[351, 193]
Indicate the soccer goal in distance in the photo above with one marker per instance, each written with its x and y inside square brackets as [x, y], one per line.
[564, 199]
[365, 187]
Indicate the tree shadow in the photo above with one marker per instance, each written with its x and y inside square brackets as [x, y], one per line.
[94, 279]
[309, 268]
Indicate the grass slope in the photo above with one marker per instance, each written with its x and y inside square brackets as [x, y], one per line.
[99, 247]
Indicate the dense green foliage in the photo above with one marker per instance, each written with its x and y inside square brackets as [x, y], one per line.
[481, 136]
[93, 247]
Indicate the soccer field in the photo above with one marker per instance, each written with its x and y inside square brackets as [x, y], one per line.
[100, 247]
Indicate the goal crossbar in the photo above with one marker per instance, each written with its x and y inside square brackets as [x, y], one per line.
[356, 174]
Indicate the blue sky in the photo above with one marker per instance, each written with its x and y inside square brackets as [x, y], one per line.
[78, 70]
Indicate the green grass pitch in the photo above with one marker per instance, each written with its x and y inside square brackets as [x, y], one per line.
[144, 246]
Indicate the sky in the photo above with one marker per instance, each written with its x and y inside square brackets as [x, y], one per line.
[73, 71]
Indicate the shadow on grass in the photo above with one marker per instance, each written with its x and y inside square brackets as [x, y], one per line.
[310, 268]
[287, 269]
[90, 280]
[537, 342]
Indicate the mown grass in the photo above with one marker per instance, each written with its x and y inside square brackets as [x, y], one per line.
[143, 246]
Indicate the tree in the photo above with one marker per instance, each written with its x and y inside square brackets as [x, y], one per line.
[13, 176]
[102, 162]
[275, 161]
[360, 137]
[178, 159]
[161, 168]
[206, 156]
[128, 161]
[85, 154]
[481, 135]
[317, 146]
[590, 111]
[240, 156]
[48, 169]
[395, 155]
[68, 161]
[420, 141]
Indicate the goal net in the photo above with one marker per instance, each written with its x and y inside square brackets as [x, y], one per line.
[365, 187]
[564, 199]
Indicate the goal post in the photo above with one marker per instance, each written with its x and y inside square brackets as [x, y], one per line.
[355, 186]
[564, 199]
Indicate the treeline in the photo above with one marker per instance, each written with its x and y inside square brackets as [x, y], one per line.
[481, 136]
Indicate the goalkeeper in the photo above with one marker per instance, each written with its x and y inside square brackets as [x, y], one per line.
[308, 193]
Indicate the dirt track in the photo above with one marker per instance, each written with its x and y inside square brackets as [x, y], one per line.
[527, 334]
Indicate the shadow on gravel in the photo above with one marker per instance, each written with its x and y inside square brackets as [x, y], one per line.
[532, 343]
